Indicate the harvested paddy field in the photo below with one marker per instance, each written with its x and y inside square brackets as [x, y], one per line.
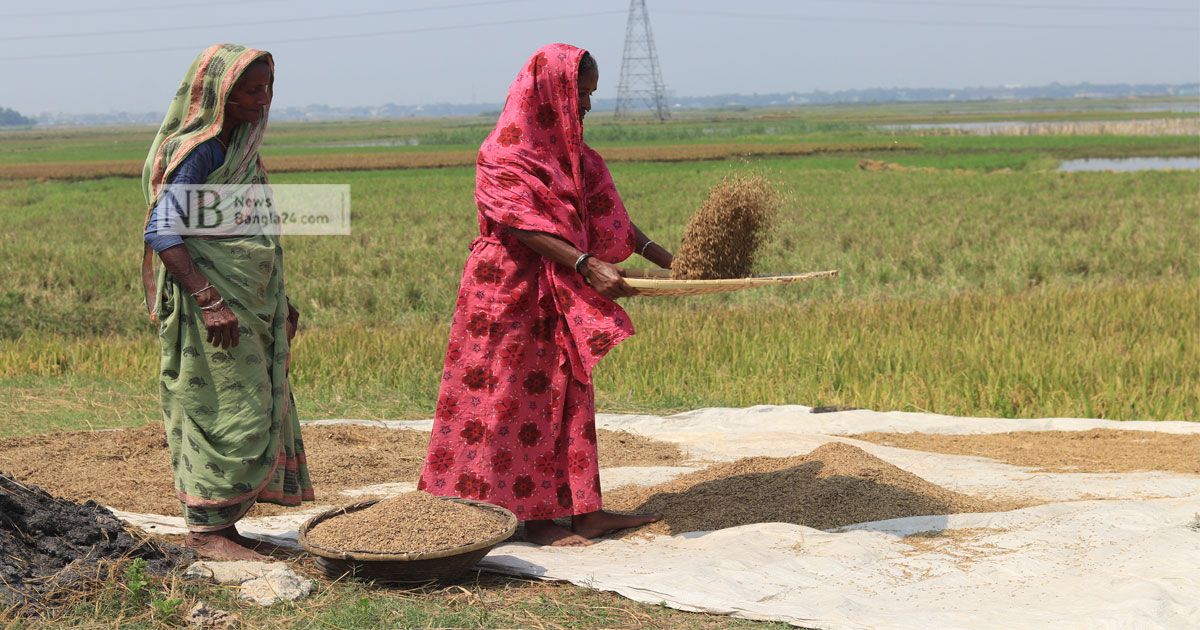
[1095, 451]
[379, 160]
[836, 484]
[130, 470]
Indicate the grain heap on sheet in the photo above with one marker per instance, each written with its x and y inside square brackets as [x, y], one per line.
[722, 237]
[834, 485]
[414, 522]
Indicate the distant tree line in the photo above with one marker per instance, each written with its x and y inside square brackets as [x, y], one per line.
[392, 111]
[12, 118]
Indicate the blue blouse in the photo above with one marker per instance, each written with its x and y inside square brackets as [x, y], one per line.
[195, 169]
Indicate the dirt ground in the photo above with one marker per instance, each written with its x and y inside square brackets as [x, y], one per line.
[129, 469]
[1095, 451]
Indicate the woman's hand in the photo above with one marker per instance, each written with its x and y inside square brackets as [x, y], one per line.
[220, 322]
[218, 318]
[293, 321]
[602, 276]
[606, 279]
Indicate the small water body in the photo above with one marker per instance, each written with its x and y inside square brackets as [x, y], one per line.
[1130, 164]
[386, 142]
[963, 126]
[1142, 127]
[1168, 107]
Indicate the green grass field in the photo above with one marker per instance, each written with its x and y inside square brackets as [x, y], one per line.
[1022, 293]
[976, 280]
[813, 124]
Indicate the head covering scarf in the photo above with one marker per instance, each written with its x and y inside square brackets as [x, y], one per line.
[196, 115]
[535, 173]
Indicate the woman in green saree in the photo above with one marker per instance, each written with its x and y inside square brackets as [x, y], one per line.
[225, 324]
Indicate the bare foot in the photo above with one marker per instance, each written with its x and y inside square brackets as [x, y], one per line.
[220, 546]
[601, 523]
[553, 534]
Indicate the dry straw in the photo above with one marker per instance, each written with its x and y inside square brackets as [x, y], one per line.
[723, 236]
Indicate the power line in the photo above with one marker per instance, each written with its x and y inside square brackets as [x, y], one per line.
[822, 18]
[149, 7]
[316, 18]
[317, 38]
[1005, 5]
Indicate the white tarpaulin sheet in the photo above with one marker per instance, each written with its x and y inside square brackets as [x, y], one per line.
[1105, 551]
[1090, 565]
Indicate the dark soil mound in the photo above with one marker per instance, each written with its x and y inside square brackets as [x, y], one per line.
[46, 542]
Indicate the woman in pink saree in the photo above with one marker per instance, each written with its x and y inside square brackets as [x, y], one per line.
[515, 421]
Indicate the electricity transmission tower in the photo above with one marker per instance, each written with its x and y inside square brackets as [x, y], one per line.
[641, 83]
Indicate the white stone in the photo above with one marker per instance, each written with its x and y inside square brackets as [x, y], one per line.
[231, 572]
[280, 585]
[264, 583]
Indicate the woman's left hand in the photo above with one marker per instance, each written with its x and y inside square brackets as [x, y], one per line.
[293, 321]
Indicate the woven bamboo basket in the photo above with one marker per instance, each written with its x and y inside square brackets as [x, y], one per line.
[442, 565]
[658, 282]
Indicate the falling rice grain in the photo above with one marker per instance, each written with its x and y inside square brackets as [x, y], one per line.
[722, 237]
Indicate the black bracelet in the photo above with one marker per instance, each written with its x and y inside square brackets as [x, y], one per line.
[579, 262]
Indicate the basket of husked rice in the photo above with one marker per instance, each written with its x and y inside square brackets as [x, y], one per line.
[409, 539]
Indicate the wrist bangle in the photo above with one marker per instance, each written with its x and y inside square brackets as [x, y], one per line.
[214, 305]
[202, 290]
[579, 262]
[642, 251]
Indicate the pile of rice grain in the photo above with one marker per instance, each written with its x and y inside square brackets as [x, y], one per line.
[414, 522]
[722, 237]
[836, 484]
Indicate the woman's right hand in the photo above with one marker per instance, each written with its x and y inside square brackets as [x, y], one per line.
[220, 322]
[606, 279]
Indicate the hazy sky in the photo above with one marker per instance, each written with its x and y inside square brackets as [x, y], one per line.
[367, 52]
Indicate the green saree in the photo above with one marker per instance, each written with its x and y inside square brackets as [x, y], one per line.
[230, 418]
